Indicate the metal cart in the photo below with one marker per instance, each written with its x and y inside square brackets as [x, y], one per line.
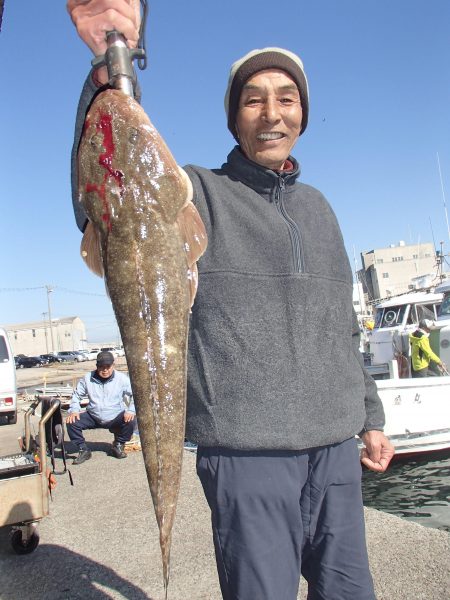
[24, 486]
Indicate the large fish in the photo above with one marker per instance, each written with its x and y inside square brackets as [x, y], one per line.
[149, 235]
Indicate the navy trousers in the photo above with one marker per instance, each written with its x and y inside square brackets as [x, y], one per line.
[122, 431]
[281, 513]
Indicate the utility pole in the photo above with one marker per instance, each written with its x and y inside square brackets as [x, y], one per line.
[45, 331]
[49, 291]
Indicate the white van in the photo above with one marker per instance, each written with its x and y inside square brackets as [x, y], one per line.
[8, 385]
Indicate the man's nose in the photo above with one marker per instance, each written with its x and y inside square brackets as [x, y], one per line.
[271, 112]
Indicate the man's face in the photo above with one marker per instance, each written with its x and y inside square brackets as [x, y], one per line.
[269, 118]
[105, 370]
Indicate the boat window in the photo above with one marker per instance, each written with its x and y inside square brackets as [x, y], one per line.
[378, 317]
[412, 315]
[445, 306]
[390, 316]
[4, 356]
[425, 311]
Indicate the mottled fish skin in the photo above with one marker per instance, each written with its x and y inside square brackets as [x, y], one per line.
[132, 192]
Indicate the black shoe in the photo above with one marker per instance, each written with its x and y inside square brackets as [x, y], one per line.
[83, 455]
[117, 450]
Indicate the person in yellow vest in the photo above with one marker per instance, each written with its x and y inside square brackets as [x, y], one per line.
[424, 362]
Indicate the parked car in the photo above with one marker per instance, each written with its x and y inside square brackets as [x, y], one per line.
[25, 362]
[74, 355]
[111, 349]
[119, 351]
[17, 359]
[66, 356]
[79, 355]
[92, 354]
[50, 358]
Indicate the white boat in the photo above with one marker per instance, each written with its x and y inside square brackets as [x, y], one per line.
[417, 412]
[396, 318]
[417, 409]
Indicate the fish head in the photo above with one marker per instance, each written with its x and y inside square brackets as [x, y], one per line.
[121, 159]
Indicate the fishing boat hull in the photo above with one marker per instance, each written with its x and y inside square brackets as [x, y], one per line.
[417, 413]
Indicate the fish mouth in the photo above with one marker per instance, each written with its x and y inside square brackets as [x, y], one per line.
[268, 136]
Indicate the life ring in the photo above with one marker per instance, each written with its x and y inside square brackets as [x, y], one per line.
[390, 317]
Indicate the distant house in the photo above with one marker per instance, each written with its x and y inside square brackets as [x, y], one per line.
[43, 337]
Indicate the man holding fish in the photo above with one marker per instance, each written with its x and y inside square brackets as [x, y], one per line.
[275, 427]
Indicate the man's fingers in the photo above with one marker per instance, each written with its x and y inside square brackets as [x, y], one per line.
[379, 465]
[71, 418]
[95, 17]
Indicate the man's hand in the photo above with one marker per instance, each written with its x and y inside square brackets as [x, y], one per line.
[128, 416]
[72, 417]
[93, 18]
[378, 451]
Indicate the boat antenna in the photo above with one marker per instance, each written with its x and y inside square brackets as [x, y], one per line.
[443, 195]
[432, 232]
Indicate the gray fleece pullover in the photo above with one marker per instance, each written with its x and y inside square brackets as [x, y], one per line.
[274, 359]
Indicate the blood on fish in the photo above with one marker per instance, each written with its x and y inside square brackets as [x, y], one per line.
[104, 126]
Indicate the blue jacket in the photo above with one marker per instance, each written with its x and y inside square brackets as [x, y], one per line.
[106, 400]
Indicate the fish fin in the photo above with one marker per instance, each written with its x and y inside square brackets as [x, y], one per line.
[191, 225]
[193, 233]
[193, 282]
[188, 183]
[90, 250]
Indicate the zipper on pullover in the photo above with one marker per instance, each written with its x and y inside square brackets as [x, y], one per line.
[294, 233]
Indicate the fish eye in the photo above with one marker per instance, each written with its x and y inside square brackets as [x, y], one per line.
[96, 141]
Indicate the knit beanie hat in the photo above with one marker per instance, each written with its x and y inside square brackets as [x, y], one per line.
[259, 60]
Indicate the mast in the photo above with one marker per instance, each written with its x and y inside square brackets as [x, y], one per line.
[443, 195]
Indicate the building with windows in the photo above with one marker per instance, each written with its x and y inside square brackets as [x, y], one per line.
[390, 271]
[44, 337]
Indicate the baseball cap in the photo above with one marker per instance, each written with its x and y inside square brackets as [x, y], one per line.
[105, 359]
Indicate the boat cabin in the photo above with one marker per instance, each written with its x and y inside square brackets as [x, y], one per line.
[395, 319]
[409, 309]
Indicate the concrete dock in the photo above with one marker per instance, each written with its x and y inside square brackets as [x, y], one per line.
[100, 542]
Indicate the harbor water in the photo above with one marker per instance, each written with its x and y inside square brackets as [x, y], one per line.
[415, 488]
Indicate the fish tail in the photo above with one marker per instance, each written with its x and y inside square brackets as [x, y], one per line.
[165, 551]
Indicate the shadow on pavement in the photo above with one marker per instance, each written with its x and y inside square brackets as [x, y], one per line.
[54, 573]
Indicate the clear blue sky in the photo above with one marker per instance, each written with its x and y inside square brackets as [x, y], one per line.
[379, 76]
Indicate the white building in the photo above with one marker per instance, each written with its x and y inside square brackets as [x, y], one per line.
[43, 337]
[390, 271]
[359, 301]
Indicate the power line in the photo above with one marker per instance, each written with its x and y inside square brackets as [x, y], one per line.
[55, 287]
[62, 289]
[26, 289]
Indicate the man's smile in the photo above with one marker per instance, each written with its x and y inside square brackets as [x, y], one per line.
[270, 135]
